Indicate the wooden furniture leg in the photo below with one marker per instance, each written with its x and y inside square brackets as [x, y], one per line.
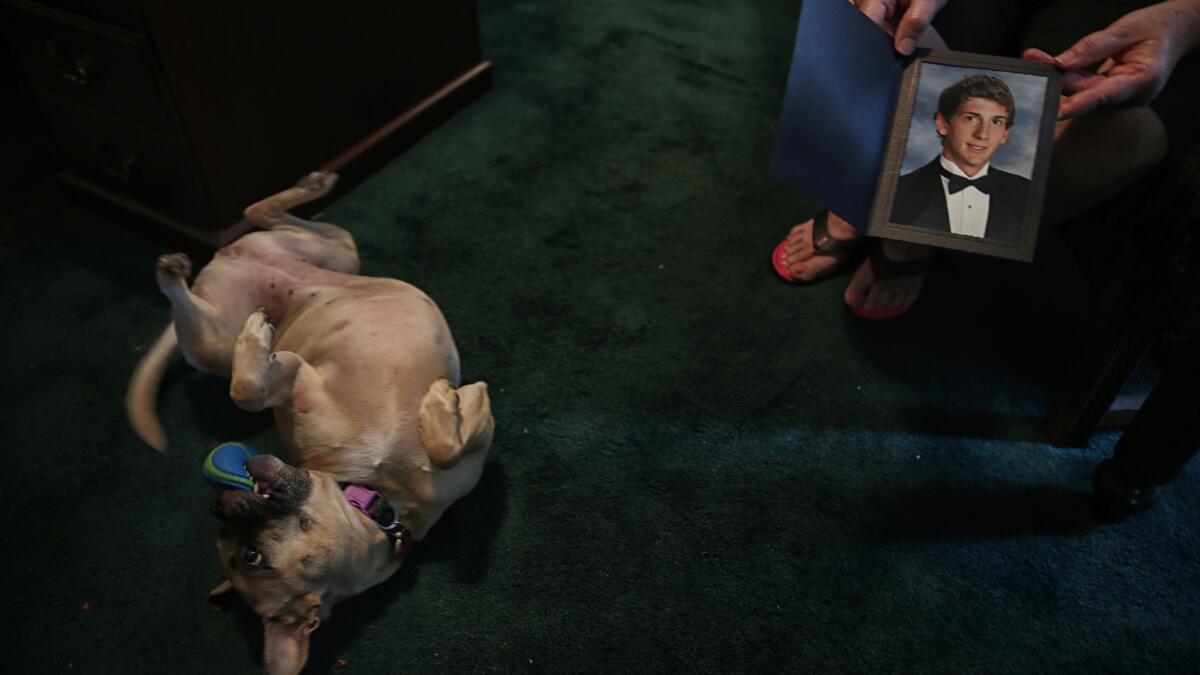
[1107, 360]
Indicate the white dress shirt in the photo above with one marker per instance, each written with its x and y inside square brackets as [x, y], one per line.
[968, 207]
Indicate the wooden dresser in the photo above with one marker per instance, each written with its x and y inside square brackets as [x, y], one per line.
[184, 112]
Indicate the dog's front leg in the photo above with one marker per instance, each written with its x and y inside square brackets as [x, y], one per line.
[261, 378]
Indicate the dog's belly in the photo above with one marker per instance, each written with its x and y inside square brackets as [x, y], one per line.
[371, 331]
[376, 345]
[239, 280]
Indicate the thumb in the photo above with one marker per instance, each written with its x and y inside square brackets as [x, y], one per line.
[875, 10]
[1092, 49]
[913, 24]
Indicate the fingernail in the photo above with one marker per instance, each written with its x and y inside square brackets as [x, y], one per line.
[906, 46]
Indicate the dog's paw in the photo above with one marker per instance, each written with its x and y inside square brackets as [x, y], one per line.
[174, 267]
[319, 182]
[473, 401]
[258, 327]
[455, 421]
[251, 357]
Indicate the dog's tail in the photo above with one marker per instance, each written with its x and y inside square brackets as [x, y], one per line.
[141, 399]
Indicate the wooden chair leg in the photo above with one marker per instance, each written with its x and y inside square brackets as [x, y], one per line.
[1106, 362]
[1165, 433]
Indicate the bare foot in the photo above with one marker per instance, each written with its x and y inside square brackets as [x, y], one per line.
[804, 260]
[867, 292]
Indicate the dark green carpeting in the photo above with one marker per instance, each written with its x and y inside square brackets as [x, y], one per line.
[697, 468]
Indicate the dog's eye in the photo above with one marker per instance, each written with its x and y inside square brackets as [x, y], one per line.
[252, 556]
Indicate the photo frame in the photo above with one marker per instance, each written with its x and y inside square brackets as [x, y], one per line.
[927, 193]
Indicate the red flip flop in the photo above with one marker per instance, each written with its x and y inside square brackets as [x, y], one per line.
[885, 268]
[823, 244]
[881, 313]
[777, 262]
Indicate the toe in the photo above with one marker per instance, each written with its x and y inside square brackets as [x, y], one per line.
[885, 295]
[798, 270]
[873, 300]
[803, 270]
[814, 267]
[799, 243]
[856, 292]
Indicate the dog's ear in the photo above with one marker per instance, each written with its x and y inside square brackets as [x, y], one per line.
[221, 592]
[285, 643]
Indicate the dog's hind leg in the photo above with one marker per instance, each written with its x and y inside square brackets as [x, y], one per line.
[202, 336]
[455, 422]
[322, 244]
[264, 379]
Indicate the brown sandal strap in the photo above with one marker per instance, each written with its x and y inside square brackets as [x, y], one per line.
[885, 268]
[825, 244]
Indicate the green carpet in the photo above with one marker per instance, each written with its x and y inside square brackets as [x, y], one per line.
[697, 468]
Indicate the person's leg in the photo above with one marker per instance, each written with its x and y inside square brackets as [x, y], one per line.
[1161, 440]
[1098, 155]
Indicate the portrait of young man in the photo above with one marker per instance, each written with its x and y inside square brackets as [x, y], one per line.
[961, 190]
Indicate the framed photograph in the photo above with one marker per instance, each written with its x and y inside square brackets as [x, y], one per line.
[968, 154]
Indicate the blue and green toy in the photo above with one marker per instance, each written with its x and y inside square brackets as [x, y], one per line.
[225, 466]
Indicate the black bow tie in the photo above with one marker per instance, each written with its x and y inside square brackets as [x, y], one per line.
[958, 183]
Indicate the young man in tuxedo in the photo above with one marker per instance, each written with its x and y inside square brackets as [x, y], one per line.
[960, 191]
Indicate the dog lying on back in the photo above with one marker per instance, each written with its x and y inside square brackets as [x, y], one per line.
[363, 377]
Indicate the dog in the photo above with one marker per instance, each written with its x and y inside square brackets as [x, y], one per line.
[362, 375]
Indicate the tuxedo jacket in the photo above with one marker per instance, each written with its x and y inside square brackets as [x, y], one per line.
[921, 202]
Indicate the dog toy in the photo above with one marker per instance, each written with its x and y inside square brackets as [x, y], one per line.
[225, 466]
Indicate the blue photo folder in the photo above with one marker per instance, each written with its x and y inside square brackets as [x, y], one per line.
[837, 111]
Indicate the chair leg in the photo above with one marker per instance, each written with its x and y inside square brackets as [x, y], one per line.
[1165, 433]
[1108, 359]
[1161, 440]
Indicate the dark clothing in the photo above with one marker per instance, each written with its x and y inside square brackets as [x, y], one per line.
[1009, 27]
[921, 202]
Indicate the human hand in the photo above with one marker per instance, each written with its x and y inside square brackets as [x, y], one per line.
[905, 20]
[1135, 56]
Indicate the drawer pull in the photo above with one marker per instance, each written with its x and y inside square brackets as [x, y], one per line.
[123, 166]
[79, 69]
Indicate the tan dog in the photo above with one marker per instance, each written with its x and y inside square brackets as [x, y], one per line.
[362, 375]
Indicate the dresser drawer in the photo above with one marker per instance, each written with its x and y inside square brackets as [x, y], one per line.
[153, 169]
[86, 61]
[122, 13]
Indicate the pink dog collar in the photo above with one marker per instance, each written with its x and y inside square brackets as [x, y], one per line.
[376, 507]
